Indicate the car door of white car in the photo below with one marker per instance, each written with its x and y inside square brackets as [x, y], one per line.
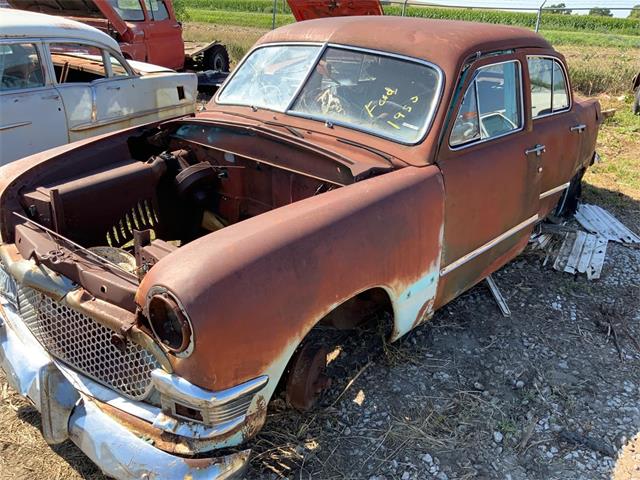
[102, 93]
[128, 99]
[32, 117]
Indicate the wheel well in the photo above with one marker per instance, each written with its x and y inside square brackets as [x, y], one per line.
[369, 313]
[374, 302]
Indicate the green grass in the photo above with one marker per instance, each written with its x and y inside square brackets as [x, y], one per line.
[245, 19]
[587, 39]
[555, 22]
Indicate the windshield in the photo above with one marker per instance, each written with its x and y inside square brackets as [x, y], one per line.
[387, 96]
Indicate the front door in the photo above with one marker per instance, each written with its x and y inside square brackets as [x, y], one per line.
[163, 36]
[490, 170]
[31, 114]
[556, 125]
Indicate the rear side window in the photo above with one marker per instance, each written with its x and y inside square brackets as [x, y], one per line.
[77, 62]
[20, 67]
[549, 92]
[129, 10]
[157, 9]
[492, 105]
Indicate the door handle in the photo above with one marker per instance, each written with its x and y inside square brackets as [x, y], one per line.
[113, 88]
[51, 97]
[537, 149]
[579, 128]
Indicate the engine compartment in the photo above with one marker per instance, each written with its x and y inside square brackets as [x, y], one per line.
[144, 208]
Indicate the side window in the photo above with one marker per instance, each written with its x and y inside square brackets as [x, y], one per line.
[549, 92]
[157, 9]
[492, 105]
[541, 77]
[117, 68]
[560, 94]
[129, 10]
[77, 63]
[20, 66]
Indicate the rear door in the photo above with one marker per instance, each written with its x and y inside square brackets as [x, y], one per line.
[490, 175]
[163, 35]
[31, 114]
[126, 99]
[556, 126]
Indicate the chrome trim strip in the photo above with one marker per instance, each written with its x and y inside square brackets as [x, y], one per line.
[15, 125]
[179, 389]
[478, 251]
[131, 116]
[94, 104]
[557, 189]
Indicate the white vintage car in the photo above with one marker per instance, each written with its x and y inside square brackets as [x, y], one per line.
[62, 81]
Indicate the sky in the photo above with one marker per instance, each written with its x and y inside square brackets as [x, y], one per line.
[534, 4]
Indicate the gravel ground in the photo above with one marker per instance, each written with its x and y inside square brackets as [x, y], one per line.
[553, 392]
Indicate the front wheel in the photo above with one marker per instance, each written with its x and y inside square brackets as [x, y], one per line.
[217, 58]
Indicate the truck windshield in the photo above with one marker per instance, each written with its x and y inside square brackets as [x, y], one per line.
[385, 95]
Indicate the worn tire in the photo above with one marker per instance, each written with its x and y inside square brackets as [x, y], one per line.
[217, 58]
[568, 203]
[636, 102]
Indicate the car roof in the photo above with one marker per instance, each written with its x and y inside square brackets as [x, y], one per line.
[443, 42]
[18, 23]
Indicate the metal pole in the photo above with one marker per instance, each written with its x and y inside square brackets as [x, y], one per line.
[404, 7]
[273, 19]
[539, 16]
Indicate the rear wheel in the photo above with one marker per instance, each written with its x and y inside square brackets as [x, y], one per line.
[217, 58]
[568, 203]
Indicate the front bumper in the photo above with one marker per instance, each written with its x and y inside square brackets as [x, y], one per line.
[69, 413]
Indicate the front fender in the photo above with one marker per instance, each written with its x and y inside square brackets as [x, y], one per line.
[253, 290]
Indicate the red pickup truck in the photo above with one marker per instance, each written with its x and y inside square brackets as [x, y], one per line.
[147, 30]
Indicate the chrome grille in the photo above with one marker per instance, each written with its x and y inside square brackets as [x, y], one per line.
[85, 345]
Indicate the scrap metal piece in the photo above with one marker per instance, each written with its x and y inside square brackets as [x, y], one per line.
[582, 252]
[597, 258]
[597, 220]
[502, 303]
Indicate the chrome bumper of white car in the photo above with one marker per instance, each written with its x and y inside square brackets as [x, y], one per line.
[68, 412]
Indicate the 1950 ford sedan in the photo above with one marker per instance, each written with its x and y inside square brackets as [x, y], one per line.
[160, 282]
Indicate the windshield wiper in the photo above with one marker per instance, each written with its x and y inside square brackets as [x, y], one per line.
[291, 130]
[380, 153]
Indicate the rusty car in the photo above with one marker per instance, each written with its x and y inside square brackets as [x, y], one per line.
[167, 280]
[62, 81]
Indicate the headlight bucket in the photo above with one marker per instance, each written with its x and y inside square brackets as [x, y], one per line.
[169, 322]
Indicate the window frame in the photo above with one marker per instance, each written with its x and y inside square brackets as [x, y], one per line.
[429, 119]
[46, 78]
[105, 53]
[150, 14]
[472, 143]
[566, 83]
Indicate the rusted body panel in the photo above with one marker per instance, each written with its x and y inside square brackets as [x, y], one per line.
[267, 224]
[394, 243]
[310, 9]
